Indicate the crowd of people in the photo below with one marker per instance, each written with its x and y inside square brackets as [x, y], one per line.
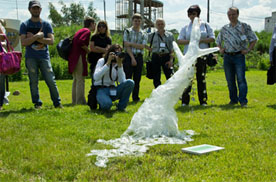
[116, 71]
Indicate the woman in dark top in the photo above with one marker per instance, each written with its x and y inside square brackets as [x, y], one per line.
[99, 44]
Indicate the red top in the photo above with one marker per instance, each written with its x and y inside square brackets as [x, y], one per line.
[81, 38]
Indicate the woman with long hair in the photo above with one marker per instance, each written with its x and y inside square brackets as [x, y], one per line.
[99, 44]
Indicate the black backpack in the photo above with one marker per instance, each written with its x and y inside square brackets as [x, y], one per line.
[64, 47]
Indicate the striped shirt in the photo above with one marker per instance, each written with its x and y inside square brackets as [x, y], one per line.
[235, 38]
[132, 36]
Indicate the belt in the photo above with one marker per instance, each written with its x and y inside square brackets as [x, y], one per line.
[104, 86]
[161, 54]
[233, 53]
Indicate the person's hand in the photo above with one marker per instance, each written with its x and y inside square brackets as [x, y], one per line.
[222, 50]
[119, 61]
[29, 34]
[128, 44]
[169, 64]
[245, 51]
[111, 56]
[39, 35]
[133, 62]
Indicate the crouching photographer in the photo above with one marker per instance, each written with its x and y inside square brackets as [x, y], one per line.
[108, 70]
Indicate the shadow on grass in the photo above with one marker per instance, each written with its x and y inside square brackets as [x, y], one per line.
[272, 106]
[4, 114]
[199, 107]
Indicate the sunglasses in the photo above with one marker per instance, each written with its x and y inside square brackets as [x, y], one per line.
[192, 13]
[102, 26]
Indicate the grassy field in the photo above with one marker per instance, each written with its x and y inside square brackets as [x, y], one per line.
[51, 144]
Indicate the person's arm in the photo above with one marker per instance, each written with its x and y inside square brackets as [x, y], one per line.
[250, 47]
[48, 41]
[29, 38]
[272, 45]
[135, 45]
[121, 73]
[100, 70]
[219, 43]
[210, 35]
[97, 49]
[181, 40]
[252, 38]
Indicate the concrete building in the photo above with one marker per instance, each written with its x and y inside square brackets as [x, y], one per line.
[270, 22]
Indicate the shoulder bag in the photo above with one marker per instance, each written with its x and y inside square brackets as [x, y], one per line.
[9, 61]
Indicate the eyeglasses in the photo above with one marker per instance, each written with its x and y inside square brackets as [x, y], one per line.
[192, 13]
[102, 26]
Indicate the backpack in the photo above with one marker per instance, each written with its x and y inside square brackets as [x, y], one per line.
[64, 47]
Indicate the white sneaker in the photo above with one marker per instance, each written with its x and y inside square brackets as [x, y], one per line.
[204, 105]
[183, 105]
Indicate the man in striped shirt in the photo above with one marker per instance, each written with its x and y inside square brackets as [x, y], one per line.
[235, 40]
[135, 40]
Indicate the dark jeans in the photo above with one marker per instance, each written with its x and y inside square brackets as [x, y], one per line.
[44, 65]
[2, 88]
[234, 67]
[201, 84]
[135, 72]
[158, 62]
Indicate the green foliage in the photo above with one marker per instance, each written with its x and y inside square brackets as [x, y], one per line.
[72, 15]
[51, 144]
[91, 12]
[57, 19]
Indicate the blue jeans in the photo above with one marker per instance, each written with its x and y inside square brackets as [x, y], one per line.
[123, 92]
[45, 67]
[234, 67]
[2, 88]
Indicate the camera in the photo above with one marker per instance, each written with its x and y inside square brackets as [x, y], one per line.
[120, 54]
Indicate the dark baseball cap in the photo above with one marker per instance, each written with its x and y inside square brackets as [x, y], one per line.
[34, 3]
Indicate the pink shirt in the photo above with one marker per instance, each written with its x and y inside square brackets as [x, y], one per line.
[81, 38]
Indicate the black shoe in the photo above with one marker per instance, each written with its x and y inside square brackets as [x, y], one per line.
[232, 103]
[60, 106]
[136, 100]
[244, 105]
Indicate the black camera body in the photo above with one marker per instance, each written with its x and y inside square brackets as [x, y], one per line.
[120, 54]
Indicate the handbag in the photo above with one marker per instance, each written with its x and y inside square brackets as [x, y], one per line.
[64, 47]
[9, 61]
[211, 59]
[149, 65]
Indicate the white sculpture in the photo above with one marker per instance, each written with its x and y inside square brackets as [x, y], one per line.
[156, 122]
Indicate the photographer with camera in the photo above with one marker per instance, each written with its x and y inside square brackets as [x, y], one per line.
[108, 70]
[162, 52]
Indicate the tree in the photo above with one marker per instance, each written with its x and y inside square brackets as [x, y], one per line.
[91, 11]
[57, 19]
[74, 14]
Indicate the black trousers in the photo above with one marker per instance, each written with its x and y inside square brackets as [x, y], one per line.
[158, 62]
[201, 84]
[134, 73]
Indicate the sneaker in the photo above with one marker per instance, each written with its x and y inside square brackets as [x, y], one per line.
[183, 105]
[38, 107]
[204, 105]
[60, 106]
[244, 105]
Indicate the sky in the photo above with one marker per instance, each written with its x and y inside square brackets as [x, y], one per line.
[252, 12]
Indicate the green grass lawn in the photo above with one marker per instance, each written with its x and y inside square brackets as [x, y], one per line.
[51, 144]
